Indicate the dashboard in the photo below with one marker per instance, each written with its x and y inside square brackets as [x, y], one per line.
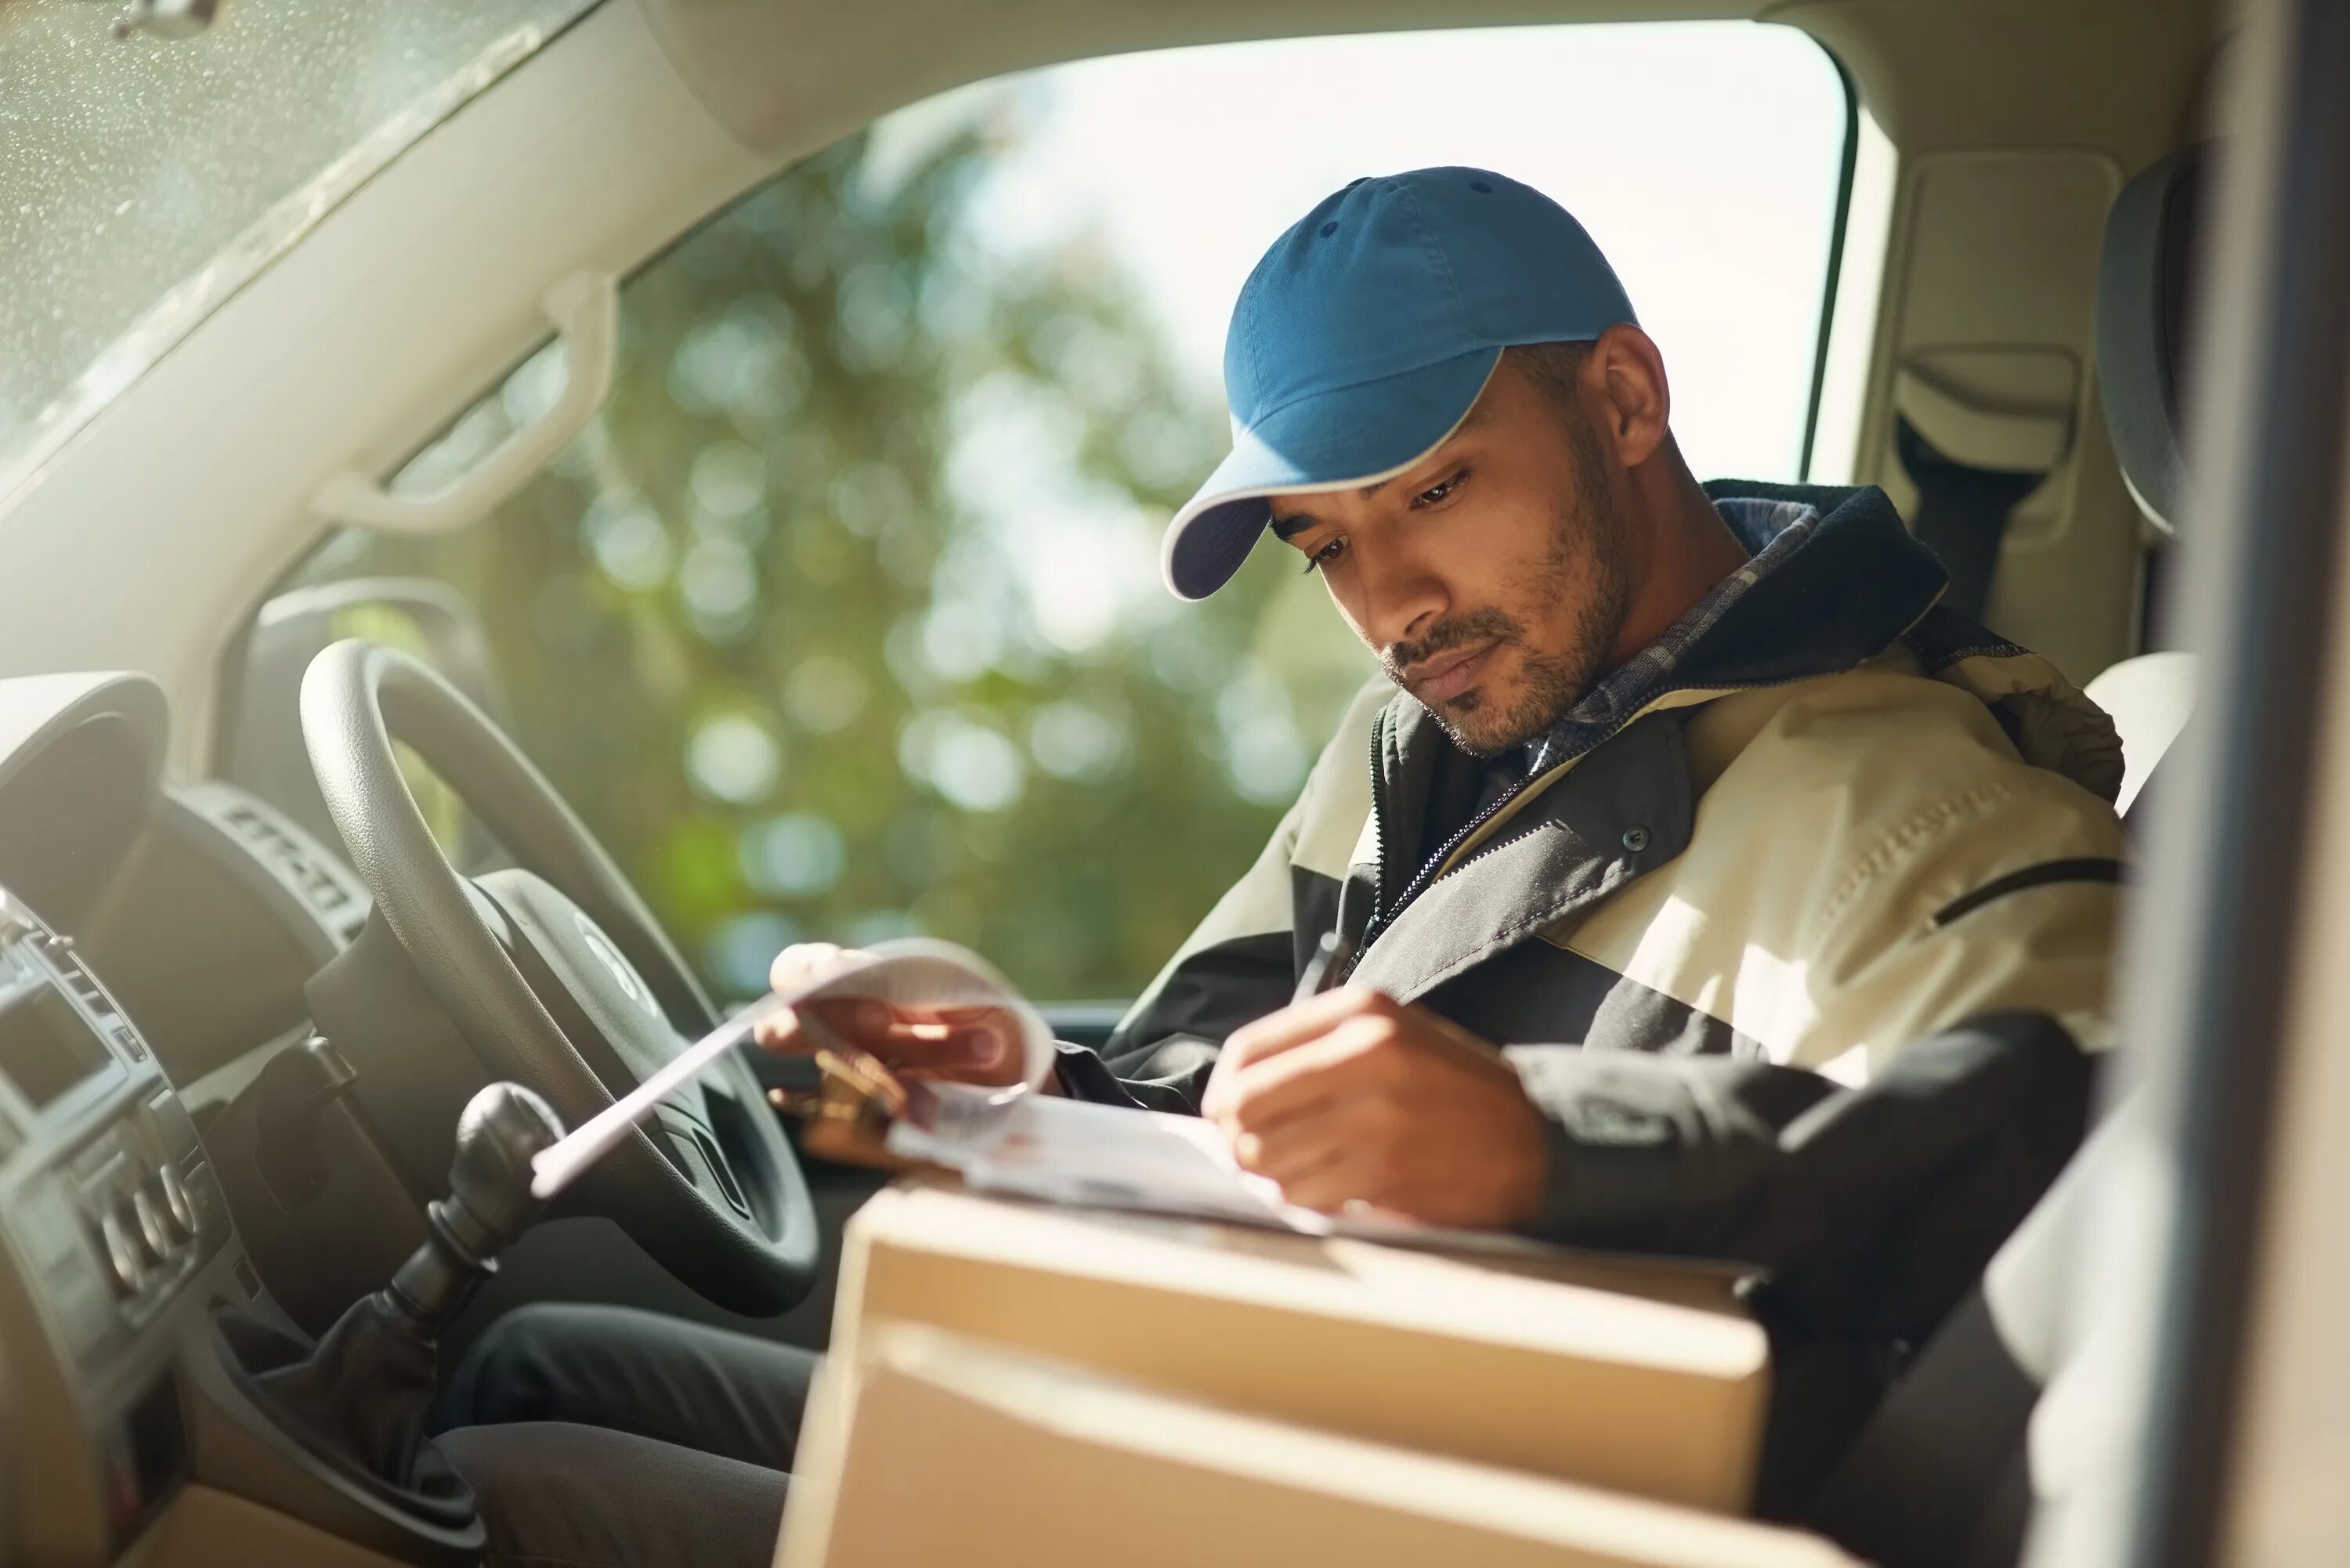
[206, 910]
[219, 916]
[155, 944]
[110, 1216]
[109, 1211]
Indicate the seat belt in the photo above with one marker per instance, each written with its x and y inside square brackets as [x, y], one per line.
[1961, 514]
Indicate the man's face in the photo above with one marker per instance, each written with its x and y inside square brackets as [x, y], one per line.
[1493, 578]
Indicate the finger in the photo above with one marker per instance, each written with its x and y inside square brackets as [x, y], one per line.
[1368, 1125]
[1342, 1063]
[984, 1033]
[801, 964]
[1214, 1098]
[1295, 1150]
[1294, 1026]
[780, 1031]
[948, 1049]
[1351, 1177]
[860, 1020]
[1300, 1022]
[871, 1015]
[960, 1041]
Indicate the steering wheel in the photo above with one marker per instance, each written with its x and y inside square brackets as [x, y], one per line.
[558, 977]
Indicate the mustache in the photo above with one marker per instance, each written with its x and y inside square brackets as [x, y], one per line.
[1487, 625]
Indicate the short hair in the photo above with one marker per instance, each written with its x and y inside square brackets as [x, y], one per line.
[1552, 367]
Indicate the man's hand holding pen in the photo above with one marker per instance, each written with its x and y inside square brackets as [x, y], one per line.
[1350, 1098]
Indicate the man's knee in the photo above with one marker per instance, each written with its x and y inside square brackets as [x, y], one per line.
[551, 1492]
[522, 1365]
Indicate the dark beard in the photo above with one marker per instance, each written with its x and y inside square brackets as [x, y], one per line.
[1551, 683]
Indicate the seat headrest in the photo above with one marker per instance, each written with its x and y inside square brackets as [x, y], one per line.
[2144, 310]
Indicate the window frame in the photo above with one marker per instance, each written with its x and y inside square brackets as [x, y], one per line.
[230, 710]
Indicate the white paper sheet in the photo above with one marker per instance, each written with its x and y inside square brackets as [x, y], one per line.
[1110, 1156]
[952, 1119]
[1012, 1139]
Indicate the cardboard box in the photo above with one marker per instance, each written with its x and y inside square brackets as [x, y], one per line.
[933, 1449]
[1636, 1378]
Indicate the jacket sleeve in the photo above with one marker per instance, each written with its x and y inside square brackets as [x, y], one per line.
[1876, 1206]
[2003, 898]
[1925, 1007]
[1243, 961]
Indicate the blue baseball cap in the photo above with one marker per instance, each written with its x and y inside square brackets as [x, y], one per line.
[1365, 334]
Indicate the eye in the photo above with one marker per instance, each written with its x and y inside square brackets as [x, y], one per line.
[1317, 559]
[1438, 493]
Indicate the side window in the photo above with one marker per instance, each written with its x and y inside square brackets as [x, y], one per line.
[843, 620]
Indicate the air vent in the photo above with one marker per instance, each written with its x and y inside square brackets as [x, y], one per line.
[316, 884]
[83, 985]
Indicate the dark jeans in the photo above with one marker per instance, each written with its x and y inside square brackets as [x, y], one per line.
[601, 1437]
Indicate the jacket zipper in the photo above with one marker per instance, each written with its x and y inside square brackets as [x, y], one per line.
[1383, 916]
[1379, 841]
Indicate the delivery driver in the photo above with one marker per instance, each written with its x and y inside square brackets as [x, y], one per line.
[1681, 813]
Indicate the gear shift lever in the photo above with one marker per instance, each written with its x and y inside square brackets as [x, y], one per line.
[362, 1396]
[488, 1206]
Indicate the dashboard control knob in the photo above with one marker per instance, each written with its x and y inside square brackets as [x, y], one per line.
[155, 1223]
[176, 1200]
[122, 1255]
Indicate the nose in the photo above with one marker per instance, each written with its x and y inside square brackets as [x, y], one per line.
[1401, 594]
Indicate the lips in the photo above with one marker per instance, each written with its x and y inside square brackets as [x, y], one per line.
[1448, 675]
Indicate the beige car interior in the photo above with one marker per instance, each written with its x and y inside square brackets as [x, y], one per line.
[2025, 320]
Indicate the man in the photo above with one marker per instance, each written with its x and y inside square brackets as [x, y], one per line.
[1710, 889]
[1701, 775]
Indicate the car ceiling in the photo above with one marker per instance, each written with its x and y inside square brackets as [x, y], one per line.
[1938, 73]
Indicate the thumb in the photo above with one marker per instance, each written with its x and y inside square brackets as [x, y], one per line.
[780, 1031]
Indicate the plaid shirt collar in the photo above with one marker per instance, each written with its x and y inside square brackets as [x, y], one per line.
[1772, 530]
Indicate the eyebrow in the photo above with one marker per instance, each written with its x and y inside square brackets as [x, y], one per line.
[1296, 522]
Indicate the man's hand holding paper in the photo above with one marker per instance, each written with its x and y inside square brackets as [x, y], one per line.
[965, 1044]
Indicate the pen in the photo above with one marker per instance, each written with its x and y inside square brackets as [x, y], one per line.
[1325, 969]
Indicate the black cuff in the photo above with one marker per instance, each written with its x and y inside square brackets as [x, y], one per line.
[1086, 1076]
[1619, 1136]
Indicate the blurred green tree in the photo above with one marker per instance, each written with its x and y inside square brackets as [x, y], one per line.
[825, 626]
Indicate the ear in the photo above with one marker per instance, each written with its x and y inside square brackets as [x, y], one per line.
[1626, 377]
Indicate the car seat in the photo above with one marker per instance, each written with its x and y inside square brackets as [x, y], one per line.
[2145, 305]
[1943, 1475]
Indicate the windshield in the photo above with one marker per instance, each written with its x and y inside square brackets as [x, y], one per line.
[143, 180]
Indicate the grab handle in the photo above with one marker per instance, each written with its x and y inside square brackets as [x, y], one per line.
[585, 309]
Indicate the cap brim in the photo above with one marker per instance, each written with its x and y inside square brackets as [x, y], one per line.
[1353, 435]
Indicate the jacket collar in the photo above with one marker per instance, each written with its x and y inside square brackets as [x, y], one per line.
[1856, 582]
[1630, 811]
[1856, 585]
